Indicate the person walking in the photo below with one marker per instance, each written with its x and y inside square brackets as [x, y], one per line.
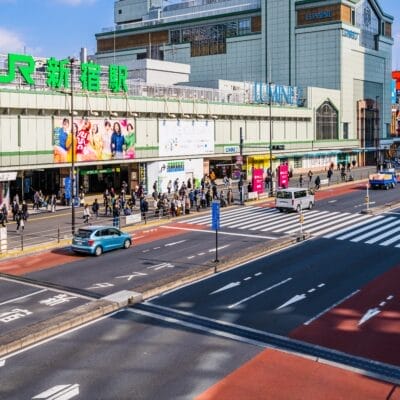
[301, 180]
[53, 203]
[5, 213]
[310, 175]
[86, 214]
[317, 182]
[329, 175]
[20, 222]
[95, 208]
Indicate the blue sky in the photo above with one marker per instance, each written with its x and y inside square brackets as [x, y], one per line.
[60, 28]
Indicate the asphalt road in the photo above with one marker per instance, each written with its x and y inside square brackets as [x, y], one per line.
[125, 356]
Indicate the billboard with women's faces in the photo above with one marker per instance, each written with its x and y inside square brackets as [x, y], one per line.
[94, 139]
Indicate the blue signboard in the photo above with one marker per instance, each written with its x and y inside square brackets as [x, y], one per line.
[278, 94]
[67, 187]
[215, 214]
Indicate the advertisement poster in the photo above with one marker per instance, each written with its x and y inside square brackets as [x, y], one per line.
[283, 176]
[257, 180]
[94, 140]
[186, 137]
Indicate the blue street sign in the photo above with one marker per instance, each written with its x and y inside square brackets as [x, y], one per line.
[215, 214]
[67, 188]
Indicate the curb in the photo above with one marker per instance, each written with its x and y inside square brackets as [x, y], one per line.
[31, 334]
[380, 209]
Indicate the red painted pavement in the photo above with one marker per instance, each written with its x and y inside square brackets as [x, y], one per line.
[378, 338]
[274, 375]
[49, 259]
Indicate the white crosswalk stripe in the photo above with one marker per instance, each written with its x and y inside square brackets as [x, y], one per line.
[261, 219]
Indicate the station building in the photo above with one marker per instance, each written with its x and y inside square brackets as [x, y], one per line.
[343, 45]
[181, 111]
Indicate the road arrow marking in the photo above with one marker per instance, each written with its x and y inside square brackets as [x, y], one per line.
[260, 292]
[131, 276]
[161, 266]
[226, 287]
[368, 315]
[59, 392]
[101, 285]
[294, 299]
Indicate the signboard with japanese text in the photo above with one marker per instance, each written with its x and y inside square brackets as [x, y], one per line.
[58, 73]
[257, 181]
[184, 138]
[94, 140]
[215, 215]
[283, 176]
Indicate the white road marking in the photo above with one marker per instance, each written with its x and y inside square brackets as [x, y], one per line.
[201, 254]
[23, 297]
[258, 274]
[175, 243]
[190, 257]
[330, 308]
[332, 201]
[161, 266]
[260, 292]
[156, 248]
[294, 299]
[335, 233]
[247, 279]
[219, 232]
[59, 392]
[311, 290]
[368, 315]
[226, 287]
[131, 276]
[145, 251]
[219, 248]
[2, 363]
[100, 285]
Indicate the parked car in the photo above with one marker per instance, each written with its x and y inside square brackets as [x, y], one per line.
[98, 239]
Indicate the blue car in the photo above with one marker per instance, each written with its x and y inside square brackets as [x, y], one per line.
[99, 239]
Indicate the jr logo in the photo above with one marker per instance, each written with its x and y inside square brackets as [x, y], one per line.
[24, 63]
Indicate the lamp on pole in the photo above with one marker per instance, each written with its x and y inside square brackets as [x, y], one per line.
[377, 122]
[72, 61]
[271, 191]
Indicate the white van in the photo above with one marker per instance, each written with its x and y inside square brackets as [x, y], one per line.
[295, 199]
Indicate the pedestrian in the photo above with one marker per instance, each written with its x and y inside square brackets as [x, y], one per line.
[329, 175]
[86, 214]
[53, 203]
[24, 210]
[144, 207]
[169, 186]
[5, 213]
[115, 214]
[2, 219]
[310, 175]
[317, 182]
[20, 222]
[95, 208]
[301, 180]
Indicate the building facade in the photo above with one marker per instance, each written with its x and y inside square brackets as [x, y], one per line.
[343, 45]
[148, 133]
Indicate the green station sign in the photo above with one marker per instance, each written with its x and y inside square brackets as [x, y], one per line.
[58, 73]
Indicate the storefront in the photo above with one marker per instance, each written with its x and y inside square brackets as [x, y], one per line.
[5, 179]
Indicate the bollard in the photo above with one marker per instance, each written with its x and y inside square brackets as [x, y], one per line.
[22, 241]
[58, 233]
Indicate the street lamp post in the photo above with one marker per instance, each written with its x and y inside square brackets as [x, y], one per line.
[241, 166]
[72, 61]
[271, 191]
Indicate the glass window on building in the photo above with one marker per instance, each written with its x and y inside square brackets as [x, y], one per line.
[244, 26]
[327, 122]
[298, 162]
[175, 36]
[231, 29]
[345, 130]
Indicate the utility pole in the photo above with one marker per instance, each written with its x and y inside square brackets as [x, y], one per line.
[241, 165]
[72, 61]
[271, 190]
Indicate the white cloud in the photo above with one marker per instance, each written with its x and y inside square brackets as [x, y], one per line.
[10, 42]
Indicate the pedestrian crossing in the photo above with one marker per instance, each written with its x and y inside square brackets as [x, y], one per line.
[382, 230]
[253, 218]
